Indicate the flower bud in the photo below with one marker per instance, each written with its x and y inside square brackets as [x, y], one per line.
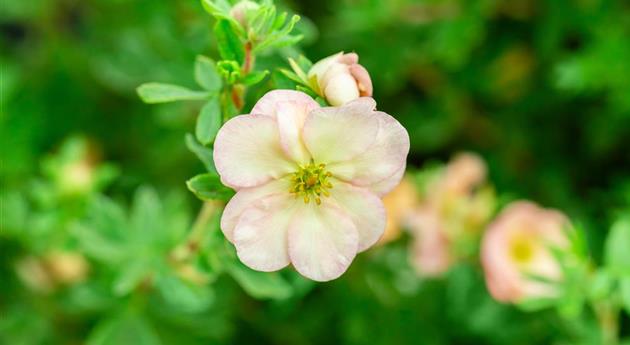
[66, 267]
[518, 246]
[340, 79]
[241, 11]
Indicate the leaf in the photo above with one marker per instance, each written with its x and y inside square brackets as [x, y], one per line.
[209, 121]
[123, 329]
[254, 78]
[203, 153]
[184, 295]
[536, 304]
[146, 213]
[262, 285]
[209, 187]
[130, 276]
[104, 234]
[162, 93]
[206, 74]
[294, 77]
[228, 42]
[617, 255]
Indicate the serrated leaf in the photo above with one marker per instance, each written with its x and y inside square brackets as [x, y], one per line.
[206, 74]
[228, 42]
[202, 152]
[209, 121]
[209, 187]
[262, 285]
[254, 78]
[162, 93]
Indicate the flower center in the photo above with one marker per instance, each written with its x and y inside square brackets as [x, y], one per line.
[522, 249]
[311, 182]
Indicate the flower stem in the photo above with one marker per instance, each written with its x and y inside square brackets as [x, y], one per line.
[199, 230]
[608, 318]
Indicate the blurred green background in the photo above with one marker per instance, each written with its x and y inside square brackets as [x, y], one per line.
[541, 89]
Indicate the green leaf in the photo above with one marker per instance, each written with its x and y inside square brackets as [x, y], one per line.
[146, 213]
[294, 77]
[262, 285]
[209, 187]
[123, 329]
[206, 74]
[183, 295]
[230, 45]
[254, 78]
[536, 304]
[130, 276]
[104, 234]
[209, 121]
[162, 93]
[617, 255]
[203, 153]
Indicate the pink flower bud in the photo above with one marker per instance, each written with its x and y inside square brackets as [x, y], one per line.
[241, 11]
[340, 79]
[517, 246]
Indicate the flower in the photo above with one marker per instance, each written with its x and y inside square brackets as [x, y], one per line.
[452, 212]
[242, 10]
[517, 244]
[308, 181]
[340, 79]
[399, 205]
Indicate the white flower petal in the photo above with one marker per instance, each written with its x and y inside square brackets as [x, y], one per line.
[336, 134]
[364, 208]
[341, 88]
[385, 186]
[290, 116]
[260, 237]
[382, 159]
[247, 152]
[268, 104]
[246, 197]
[323, 241]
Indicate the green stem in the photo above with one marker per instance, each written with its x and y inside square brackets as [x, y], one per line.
[199, 231]
[608, 318]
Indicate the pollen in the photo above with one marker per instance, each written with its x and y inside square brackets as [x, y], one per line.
[311, 182]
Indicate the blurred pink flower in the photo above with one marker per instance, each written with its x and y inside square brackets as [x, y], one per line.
[242, 10]
[340, 79]
[308, 181]
[453, 211]
[517, 244]
[431, 247]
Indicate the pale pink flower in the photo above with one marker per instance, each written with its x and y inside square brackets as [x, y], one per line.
[308, 181]
[517, 247]
[242, 10]
[431, 248]
[453, 210]
[340, 79]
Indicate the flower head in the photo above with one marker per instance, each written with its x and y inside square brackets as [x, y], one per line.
[340, 79]
[242, 10]
[452, 212]
[517, 246]
[308, 181]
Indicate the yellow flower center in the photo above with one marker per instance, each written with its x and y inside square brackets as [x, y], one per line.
[522, 249]
[311, 182]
